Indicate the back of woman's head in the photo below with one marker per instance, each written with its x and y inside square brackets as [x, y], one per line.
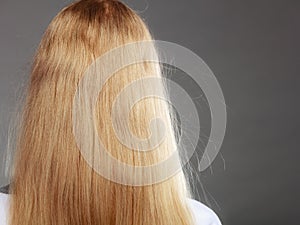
[53, 180]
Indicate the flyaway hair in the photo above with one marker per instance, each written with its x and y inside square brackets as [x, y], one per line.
[53, 182]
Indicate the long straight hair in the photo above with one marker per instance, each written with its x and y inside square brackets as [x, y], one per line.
[52, 183]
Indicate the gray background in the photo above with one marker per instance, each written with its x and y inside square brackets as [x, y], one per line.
[253, 49]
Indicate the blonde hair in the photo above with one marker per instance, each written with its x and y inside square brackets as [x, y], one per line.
[52, 183]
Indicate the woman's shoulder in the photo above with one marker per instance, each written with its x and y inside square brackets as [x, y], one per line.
[3, 208]
[203, 214]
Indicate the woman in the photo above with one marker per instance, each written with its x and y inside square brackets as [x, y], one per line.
[53, 181]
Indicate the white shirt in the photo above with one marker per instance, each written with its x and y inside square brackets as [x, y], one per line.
[203, 215]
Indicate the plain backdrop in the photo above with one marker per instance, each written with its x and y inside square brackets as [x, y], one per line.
[252, 47]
